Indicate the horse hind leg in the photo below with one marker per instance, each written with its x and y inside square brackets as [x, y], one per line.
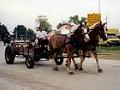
[55, 67]
[4, 43]
[79, 53]
[82, 58]
[68, 63]
[55, 51]
[97, 61]
[68, 67]
[75, 64]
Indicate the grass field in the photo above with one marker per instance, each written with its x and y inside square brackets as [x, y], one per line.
[110, 52]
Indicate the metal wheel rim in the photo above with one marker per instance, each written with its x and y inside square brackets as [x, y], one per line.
[28, 61]
[8, 55]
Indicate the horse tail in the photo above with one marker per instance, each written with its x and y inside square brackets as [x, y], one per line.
[50, 43]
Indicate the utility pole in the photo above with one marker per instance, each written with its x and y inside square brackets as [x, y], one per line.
[106, 20]
[99, 6]
[99, 48]
[16, 34]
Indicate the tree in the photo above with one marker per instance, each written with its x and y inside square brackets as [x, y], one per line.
[20, 31]
[74, 19]
[3, 30]
[30, 33]
[83, 20]
[42, 22]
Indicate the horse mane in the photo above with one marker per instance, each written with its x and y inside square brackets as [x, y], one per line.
[94, 25]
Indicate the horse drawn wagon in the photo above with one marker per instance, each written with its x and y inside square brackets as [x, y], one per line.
[58, 44]
[31, 52]
[35, 52]
[80, 39]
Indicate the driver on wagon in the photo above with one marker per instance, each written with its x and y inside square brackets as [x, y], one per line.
[41, 37]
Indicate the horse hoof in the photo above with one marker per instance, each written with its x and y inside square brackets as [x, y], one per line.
[55, 69]
[80, 69]
[100, 70]
[71, 73]
[66, 65]
[76, 66]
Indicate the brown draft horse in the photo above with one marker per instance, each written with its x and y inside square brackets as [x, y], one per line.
[98, 30]
[62, 44]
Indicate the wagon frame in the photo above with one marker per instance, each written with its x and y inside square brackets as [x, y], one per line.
[31, 52]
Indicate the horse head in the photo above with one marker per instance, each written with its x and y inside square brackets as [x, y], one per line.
[98, 29]
[102, 30]
[82, 33]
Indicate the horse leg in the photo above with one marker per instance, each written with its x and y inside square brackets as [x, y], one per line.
[82, 58]
[68, 63]
[4, 43]
[97, 61]
[75, 64]
[55, 67]
[79, 53]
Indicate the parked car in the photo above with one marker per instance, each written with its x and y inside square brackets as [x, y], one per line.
[112, 40]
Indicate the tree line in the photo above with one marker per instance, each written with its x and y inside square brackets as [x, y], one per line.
[3, 31]
[21, 31]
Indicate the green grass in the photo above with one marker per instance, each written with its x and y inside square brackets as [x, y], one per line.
[110, 52]
[110, 49]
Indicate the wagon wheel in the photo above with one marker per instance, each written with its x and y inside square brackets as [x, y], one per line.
[9, 55]
[29, 61]
[58, 59]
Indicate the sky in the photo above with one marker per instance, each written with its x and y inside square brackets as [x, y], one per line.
[25, 12]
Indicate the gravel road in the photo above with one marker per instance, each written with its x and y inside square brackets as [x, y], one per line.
[43, 77]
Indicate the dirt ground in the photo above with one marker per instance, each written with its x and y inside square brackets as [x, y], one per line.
[43, 77]
[110, 56]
